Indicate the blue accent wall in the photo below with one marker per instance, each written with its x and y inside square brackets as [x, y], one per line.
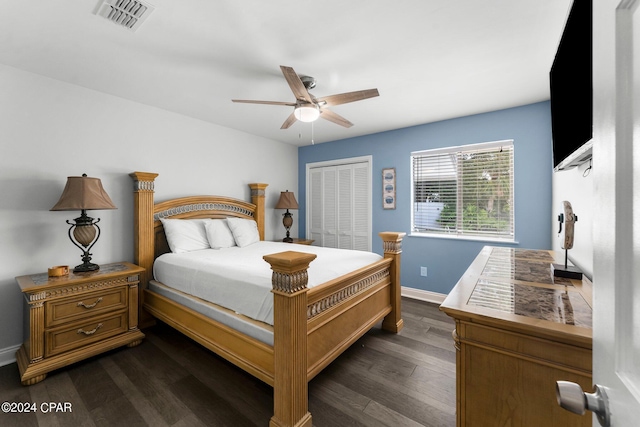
[447, 259]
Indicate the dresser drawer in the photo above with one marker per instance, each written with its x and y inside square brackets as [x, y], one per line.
[69, 337]
[84, 306]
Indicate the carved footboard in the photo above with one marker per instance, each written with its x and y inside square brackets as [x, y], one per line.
[313, 327]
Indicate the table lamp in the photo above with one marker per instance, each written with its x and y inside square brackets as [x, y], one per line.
[84, 193]
[287, 201]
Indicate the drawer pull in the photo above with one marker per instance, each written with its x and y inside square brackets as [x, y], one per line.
[91, 332]
[82, 304]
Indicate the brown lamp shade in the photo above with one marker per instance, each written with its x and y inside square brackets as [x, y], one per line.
[287, 201]
[83, 193]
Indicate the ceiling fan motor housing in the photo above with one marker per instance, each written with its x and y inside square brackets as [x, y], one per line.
[308, 81]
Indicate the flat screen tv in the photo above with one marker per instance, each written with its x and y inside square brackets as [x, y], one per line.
[571, 90]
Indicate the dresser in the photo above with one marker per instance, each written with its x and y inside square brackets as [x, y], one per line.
[518, 331]
[79, 315]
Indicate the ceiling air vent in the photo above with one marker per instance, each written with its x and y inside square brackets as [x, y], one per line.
[126, 13]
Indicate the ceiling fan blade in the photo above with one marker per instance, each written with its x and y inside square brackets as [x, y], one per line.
[345, 98]
[248, 101]
[335, 118]
[296, 85]
[287, 123]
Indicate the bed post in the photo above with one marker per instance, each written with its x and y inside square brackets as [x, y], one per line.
[144, 245]
[392, 246]
[290, 385]
[257, 198]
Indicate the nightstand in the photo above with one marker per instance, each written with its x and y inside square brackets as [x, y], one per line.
[300, 241]
[71, 318]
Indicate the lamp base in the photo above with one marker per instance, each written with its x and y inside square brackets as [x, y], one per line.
[84, 233]
[287, 221]
[567, 271]
[87, 266]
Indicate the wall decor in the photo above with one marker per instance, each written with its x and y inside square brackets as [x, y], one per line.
[389, 188]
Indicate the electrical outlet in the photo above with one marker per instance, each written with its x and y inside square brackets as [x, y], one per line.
[423, 271]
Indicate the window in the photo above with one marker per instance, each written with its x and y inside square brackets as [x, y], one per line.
[464, 191]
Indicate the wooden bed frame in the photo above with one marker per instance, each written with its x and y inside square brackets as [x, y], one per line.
[311, 326]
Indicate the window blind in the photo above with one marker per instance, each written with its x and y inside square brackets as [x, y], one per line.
[464, 191]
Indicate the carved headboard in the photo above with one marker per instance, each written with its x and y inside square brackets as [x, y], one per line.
[149, 238]
[197, 207]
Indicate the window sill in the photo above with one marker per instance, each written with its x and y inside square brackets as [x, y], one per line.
[466, 238]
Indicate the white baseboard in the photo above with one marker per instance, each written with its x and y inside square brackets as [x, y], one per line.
[8, 355]
[422, 295]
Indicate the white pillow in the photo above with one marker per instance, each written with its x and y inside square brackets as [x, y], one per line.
[245, 231]
[219, 234]
[185, 235]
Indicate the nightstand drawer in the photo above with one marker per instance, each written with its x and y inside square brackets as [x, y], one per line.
[79, 334]
[84, 306]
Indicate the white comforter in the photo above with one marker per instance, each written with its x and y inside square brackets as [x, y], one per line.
[240, 280]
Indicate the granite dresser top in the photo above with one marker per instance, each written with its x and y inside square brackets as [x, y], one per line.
[520, 281]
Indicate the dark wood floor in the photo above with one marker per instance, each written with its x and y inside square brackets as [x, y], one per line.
[384, 379]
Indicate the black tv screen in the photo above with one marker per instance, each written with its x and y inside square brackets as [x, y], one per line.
[571, 85]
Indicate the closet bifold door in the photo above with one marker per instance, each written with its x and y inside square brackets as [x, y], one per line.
[340, 206]
[317, 208]
[361, 210]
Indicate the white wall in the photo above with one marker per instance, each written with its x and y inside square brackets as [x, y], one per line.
[572, 185]
[50, 130]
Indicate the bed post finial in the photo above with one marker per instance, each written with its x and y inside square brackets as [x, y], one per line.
[290, 385]
[257, 198]
[143, 233]
[392, 246]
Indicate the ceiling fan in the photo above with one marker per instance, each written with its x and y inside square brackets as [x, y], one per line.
[307, 107]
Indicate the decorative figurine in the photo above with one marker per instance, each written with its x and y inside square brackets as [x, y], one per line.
[569, 219]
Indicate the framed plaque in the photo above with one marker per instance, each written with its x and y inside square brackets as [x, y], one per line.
[389, 188]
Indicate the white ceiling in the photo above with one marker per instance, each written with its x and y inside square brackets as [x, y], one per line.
[430, 60]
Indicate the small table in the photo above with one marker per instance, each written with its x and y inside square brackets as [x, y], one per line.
[73, 317]
[299, 241]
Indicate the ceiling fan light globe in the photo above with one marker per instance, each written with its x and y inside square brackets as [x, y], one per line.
[307, 113]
